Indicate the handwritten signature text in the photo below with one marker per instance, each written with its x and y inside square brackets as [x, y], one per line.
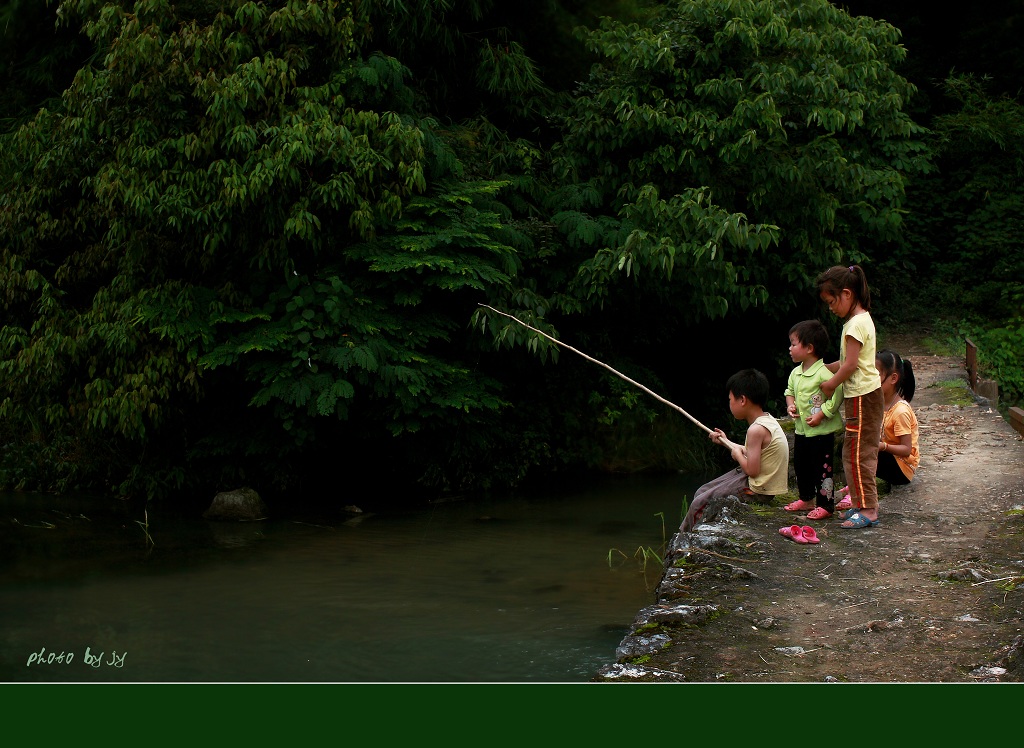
[92, 659]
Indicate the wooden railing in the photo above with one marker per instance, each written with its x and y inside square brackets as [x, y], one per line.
[988, 388]
[1017, 420]
[972, 364]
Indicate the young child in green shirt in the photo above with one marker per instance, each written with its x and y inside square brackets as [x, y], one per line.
[817, 421]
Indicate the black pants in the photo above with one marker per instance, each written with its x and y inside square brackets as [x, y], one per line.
[813, 460]
[889, 470]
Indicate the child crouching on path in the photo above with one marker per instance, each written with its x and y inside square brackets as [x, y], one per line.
[817, 422]
[845, 290]
[898, 453]
[763, 459]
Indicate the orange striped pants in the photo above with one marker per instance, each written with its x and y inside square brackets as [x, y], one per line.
[860, 447]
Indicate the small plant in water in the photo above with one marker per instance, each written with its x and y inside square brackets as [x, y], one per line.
[145, 529]
[644, 554]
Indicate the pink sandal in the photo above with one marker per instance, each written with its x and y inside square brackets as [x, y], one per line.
[807, 535]
[798, 506]
[791, 532]
[844, 504]
[819, 513]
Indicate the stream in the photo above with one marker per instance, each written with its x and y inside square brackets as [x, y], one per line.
[539, 586]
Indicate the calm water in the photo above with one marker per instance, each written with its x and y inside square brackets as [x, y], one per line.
[512, 590]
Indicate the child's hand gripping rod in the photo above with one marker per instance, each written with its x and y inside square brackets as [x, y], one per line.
[723, 440]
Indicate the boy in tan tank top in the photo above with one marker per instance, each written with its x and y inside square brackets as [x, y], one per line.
[763, 460]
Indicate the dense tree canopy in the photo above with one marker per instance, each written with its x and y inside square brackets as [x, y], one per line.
[250, 240]
[725, 152]
[245, 191]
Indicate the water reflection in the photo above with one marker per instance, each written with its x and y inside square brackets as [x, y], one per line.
[537, 587]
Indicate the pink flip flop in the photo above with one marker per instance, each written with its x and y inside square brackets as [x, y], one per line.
[819, 513]
[844, 504]
[798, 506]
[792, 532]
[807, 535]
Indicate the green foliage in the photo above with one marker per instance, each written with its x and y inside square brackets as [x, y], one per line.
[237, 204]
[725, 152]
[253, 238]
[969, 218]
[1001, 352]
[964, 256]
[507, 59]
[634, 433]
[318, 341]
[464, 52]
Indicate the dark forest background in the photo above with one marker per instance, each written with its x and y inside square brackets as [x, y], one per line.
[248, 243]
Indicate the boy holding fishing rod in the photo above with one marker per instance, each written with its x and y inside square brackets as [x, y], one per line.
[763, 460]
[764, 457]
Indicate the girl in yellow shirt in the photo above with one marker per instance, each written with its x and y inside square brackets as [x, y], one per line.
[845, 290]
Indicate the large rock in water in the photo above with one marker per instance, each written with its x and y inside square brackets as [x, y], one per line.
[241, 505]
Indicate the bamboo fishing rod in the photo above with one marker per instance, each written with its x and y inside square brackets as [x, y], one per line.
[723, 440]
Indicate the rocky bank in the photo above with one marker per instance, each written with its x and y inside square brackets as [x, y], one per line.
[934, 593]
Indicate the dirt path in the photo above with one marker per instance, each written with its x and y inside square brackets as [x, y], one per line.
[933, 594]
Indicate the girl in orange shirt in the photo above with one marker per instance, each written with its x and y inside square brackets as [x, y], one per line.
[898, 453]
